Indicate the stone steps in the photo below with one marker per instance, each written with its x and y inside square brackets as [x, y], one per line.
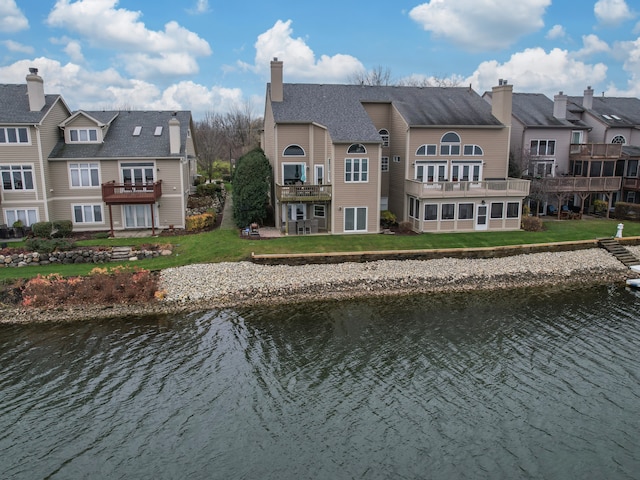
[119, 254]
[612, 246]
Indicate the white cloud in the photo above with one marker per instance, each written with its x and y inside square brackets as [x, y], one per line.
[145, 52]
[535, 70]
[300, 62]
[631, 54]
[480, 24]
[107, 89]
[202, 6]
[556, 32]
[74, 50]
[591, 45]
[11, 17]
[17, 47]
[611, 12]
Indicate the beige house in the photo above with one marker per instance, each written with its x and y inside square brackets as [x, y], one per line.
[105, 170]
[435, 157]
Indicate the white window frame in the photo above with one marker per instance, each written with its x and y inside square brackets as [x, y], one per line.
[319, 211]
[384, 134]
[28, 216]
[450, 148]
[414, 208]
[432, 172]
[466, 205]
[427, 207]
[83, 132]
[22, 171]
[427, 150]
[356, 212]
[476, 150]
[549, 147]
[4, 136]
[76, 178]
[293, 147]
[356, 170]
[318, 172]
[619, 139]
[87, 209]
[458, 169]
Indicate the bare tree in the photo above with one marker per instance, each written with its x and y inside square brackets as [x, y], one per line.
[223, 137]
[378, 76]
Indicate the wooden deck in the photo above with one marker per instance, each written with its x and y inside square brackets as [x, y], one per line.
[131, 194]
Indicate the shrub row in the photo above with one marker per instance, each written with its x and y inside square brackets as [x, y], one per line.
[57, 228]
[627, 211]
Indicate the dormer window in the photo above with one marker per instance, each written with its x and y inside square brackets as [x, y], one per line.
[80, 135]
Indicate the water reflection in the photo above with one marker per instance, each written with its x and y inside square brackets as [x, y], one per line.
[525, 383]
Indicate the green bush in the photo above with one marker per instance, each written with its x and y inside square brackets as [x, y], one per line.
[62, 228]
[387, 219]
[532, 224]
[48, 245]
[208, 190]
[42, 229]
[196, 223]
[627, 211]
[101, 235]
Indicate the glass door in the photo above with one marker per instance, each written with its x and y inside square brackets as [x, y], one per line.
[481, 218]
[138, 216]
[138, 174]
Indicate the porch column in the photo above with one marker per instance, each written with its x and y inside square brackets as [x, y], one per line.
[153, 221]
[111, 221]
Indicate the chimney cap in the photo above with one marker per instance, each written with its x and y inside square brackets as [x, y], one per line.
[33, 70]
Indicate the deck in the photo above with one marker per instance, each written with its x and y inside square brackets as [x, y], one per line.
[130, 194]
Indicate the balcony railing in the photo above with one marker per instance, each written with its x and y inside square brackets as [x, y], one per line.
[489, 188]
[584, 151]
[581, 184]
[303, 193]
[631, 183]
[131, 193]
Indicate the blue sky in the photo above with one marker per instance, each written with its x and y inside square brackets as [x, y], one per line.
[213, 56]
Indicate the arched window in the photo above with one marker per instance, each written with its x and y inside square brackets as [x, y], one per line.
[384, 134]
[357, 148]
[293, 151]
[450, 144]
[426, 150]
[475, 150]
[618, 139]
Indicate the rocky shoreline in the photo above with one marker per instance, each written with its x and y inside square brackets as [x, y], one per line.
[201, 287]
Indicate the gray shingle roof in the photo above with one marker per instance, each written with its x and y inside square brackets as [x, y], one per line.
[340, 109]
[536, 110]
[14, 105]
[120, 141]
[627, 109]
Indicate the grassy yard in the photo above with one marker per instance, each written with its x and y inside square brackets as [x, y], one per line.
[225, 245]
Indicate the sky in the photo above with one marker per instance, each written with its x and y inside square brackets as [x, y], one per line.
[212, 56]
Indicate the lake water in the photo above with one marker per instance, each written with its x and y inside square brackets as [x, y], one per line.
[518, 384]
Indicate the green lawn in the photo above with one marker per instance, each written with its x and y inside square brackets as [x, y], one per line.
[225, 245]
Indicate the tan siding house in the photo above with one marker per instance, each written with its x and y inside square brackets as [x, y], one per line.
[105, 170]
[435, 157]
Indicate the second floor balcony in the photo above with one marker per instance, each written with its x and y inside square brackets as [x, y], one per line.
[580, 184]
[131, 193]
[586, 151]
[303, 193]
[511, 187]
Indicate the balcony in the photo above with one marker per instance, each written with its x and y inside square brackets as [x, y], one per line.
[131, 193]
[303, 193]
[511, 187]
[587, 151]
[580, 184]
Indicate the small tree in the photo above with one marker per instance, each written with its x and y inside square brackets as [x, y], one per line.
[251, 183]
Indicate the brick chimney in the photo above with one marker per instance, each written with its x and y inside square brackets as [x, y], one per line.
[174, 135]
[35, 90]
[501, 101]
[276, 80]
[587, 99]
[560, 106]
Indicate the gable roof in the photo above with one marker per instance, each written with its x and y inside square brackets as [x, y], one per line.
[627, 109]
[14, 105]
[340, 108]
[120, 142]
[100, 118]
[536, 110]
